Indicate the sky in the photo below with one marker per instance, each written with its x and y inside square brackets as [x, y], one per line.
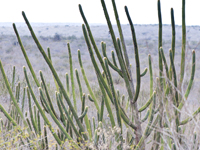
[66, 11]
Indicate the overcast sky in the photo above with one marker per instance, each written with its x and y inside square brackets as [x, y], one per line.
[141, 11]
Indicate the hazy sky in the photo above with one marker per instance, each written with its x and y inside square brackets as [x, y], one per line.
[141, 11]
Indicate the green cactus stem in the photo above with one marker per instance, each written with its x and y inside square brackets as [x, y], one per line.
[62, 116]
[195, 140]
[57, 122]
[49, 56]
[40, 109]
[83, 113]
[174, 77]
[100, 76]
[151, 75]
[55, 75]
[145, 117]
[79, 84]
[87, 83]
[87, 122]
[23, 99]
[83, 104]
[162, 81]
[146, 105]
[45, 137]
[47, 95]
[13, 98]
[13, 78]
[91, 38]
[176, 102]
[31, 113]
[72, 77]
[122, 39]
[192, 75]
[144, 72]
[25, 56]
[53, 116]
[39, 124]
[95, 63]
[123, 101]
[165, 62]
[120, 49]
[160, 42]
[187, 92]
[35, 114]
[173, 32]
[116, 102]
[18, 92]
[103, 46]
[43, 105]
[67, 83]
[95, 138]
[113, 58]
[190, 118]
[49, 53]
[70, 118]
[102, 110]
[120, 57]
[8, 116]
[90, 98]
[173, 40]
[182, 70]
[29, 123]
[107, 103]
[137, 61]
[76, 128]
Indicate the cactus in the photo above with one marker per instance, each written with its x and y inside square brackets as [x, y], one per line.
[77, 129]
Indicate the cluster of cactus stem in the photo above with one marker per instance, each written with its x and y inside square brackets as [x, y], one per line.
[78, 129]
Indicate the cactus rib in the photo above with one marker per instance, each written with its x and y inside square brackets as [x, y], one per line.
[103, 45]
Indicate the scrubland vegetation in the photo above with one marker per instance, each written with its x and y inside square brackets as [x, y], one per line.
[101, 92]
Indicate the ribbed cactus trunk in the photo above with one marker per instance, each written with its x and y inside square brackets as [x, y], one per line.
[125, 66]
[138, 132]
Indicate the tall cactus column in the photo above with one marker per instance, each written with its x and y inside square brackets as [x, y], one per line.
[134, 105]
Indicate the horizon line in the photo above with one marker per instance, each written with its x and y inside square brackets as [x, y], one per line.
[78, 23]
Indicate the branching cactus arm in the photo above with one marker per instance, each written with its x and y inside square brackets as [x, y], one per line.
[116, 101]
[113, 66]
[55, 75]
[91, 38]
[120, 57]
[121, 38]
[86, 82]
[137, 61]
[40, 109]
